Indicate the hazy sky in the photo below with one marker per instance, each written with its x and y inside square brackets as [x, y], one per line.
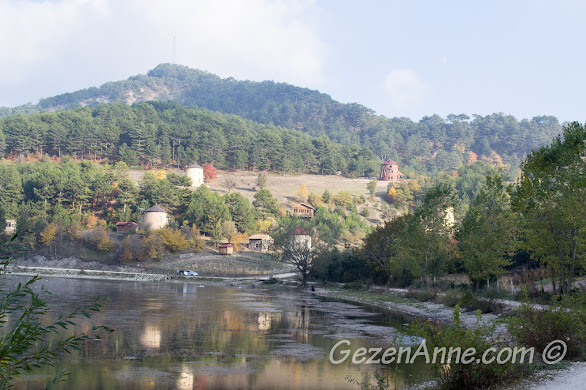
[400, 58]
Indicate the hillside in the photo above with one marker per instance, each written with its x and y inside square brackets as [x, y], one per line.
[165, 134]
[429, 146]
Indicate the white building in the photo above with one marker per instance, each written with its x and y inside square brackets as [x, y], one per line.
[301, 239]
[155, 218]
[195, 173]
[10, 226]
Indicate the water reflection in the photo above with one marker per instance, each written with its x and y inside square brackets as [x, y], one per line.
[171, 335]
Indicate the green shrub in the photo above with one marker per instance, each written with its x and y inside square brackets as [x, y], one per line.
[537, 327]
[451, 298]
[483, 304]
[357, 285]
[481, 337]
[421, 295]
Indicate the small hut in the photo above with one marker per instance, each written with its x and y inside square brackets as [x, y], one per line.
[155, 218]
[260, 242]
[226, 249]
[195, 173]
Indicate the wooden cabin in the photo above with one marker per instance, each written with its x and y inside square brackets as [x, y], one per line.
[126, 227]
[303, 210]
[226, 249]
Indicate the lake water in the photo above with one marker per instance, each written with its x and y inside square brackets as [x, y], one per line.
[181, 336]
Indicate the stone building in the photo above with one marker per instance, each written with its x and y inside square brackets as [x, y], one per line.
[389, 171]
[155, 218]
[195, 173]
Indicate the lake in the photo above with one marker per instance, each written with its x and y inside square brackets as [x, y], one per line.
[172, 335]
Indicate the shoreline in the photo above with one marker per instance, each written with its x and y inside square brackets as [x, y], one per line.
[391, 301]
[567, 378]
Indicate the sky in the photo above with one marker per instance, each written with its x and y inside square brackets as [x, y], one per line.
[399, 58]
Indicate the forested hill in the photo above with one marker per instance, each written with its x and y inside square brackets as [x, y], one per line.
[162, 134]
[431, 145]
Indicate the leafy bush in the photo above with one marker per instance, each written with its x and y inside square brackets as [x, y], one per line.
[24, 341]
[457, 375]
[98, 239]
[451, 298]
[152, 247]
[421, 295]
[173, 240]
[483, 304]
[537, 327]
[357, 285]
[193, 235]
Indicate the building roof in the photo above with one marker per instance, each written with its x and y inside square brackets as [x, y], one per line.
[155, 209]
[304, 205]
[126, 223]
[259, 237]
[299, 232]
[194, 165]
[389, 162]
[226, 246]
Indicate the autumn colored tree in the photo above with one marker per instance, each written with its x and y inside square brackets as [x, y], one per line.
[48, 237]
[209, 172]
[302, 194]
[172, 239]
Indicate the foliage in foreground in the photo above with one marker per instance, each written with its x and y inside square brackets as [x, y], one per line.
[23, 344]
[537, 327]
[481, 337]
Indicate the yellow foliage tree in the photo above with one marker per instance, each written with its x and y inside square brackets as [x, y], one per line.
[49, 234]
[392, 195]
[302, 194]
[152, 246]
[342, 198]
[126, 256]
[263, 225]
[173, 240]
[238, 240]
[160, 174]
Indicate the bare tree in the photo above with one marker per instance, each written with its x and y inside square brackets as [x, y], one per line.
[299, 251]
[229, 183]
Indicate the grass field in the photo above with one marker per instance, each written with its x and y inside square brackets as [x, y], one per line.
[286, 187]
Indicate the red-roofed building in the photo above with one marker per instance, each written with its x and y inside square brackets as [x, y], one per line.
[126, 227]
[389, 171]
[301, 238]
[226, 249]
